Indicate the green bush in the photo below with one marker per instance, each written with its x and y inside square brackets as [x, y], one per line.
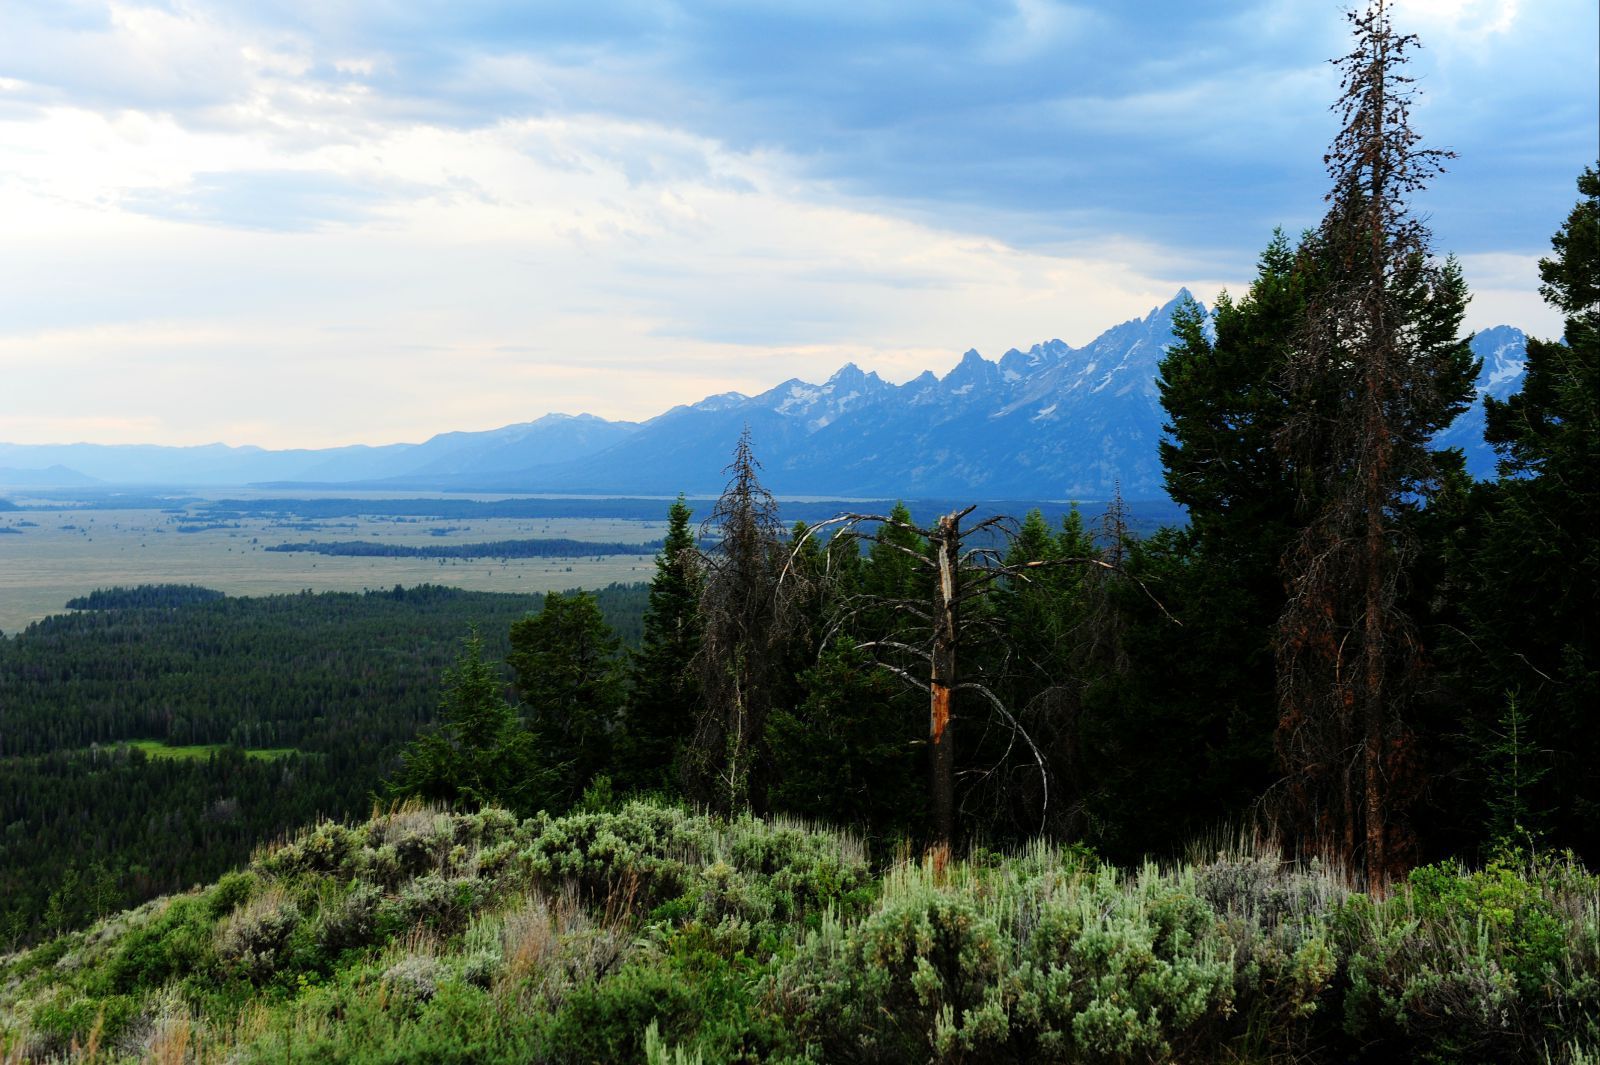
[606, 1020]
[1509, 902]
[231, 891]
[66, 1020]
[176, 942]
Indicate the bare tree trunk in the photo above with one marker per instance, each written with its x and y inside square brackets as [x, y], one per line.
[1376, 381]
[941, 753]
[1375, 711]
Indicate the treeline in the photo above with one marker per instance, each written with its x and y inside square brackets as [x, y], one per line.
[1146, 515]
[547, 548]
[320, 672]
[143, 595]
[344, 678]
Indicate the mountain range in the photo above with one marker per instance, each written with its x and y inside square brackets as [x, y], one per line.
[1051, 422]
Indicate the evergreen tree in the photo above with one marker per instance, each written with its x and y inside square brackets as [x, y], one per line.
[1226, 405]
[1377, 369]
[1042, 610]
[847, 753]
[663, 700]
[1224, 396]
[892, 573]
[570, 675]
[480, 754]
[1535, 569]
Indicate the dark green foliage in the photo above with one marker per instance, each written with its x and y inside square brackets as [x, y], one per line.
[607, 1021]
[1225, 405]
[1177, 736]
[848, 754]
[337, 672]
[1041, 665]
[663, 699]
[480, 753]
[1514, 767]
[144, 595]
[891, 573]
[1530, 562]
[569, 673]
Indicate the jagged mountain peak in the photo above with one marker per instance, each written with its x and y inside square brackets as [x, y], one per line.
[818, 405]
[1504, 350]
[1015, 365]
[849, 373]
[972, 372]
[721, 401]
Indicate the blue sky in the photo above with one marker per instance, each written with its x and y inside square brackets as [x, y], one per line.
[311, 222]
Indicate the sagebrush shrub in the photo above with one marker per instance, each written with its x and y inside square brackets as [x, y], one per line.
[251, 940]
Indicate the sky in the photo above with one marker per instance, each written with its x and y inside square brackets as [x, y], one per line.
[321, 222]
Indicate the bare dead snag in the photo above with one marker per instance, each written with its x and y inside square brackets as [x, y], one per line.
[931, 663]
[946, 542]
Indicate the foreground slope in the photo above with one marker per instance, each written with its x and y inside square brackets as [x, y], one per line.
[650, 933]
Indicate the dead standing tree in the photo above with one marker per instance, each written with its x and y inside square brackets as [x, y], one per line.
[743, 630]
[1375, 370]
[960, 571]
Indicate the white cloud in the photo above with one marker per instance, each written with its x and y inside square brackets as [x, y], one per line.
[676, 265]
[1456, 20]
[1035, 27]
[1504, 289]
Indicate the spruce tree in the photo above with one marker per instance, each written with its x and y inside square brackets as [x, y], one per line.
[569, 672]
[847, 752]
[1225, 403]
[480, 753]
[663, 699]
[1223, 392]
[890, 574]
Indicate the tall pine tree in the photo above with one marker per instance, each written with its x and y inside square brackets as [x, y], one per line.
[663, 699]
[1223, 391]
[1376, 370]
[481, 753]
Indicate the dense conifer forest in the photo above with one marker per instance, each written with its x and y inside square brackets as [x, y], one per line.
[332, 685]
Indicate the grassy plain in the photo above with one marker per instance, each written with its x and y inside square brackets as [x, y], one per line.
[60, 553]
[201, 751]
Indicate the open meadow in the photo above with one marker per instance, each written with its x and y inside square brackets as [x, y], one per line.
[52, 555]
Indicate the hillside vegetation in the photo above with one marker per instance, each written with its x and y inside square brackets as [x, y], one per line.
[647, 932]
